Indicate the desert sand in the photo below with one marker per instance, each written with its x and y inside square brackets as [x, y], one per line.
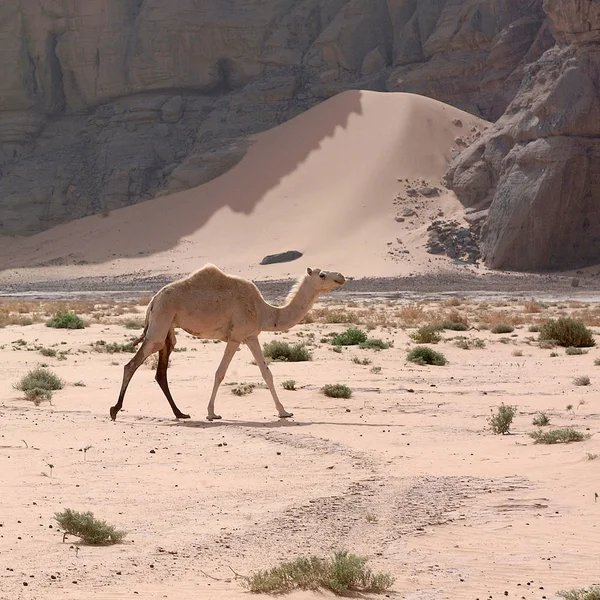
[328, 183]
[406, 471]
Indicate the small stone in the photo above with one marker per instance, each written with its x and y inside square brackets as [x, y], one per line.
[457, 122]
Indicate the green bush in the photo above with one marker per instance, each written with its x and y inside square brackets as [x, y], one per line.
[284, 352]
[336, 390]
[501, 421]
[90, 530]
[65, 320]
[113, 347]
[502, 328]
[344, 574]
[375, 344]
[558, 436]
[591, 593]
[350, 337]
[40, 378]
[426, 334]
[454, 326]
[567, 332]
[423, 355]
[541, 419]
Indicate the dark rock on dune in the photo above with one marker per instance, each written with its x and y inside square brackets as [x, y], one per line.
[280, 257]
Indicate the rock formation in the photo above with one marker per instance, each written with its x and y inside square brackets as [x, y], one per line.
[105, 103]
[534, 177]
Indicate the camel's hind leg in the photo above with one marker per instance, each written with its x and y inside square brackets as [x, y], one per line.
[230, 350]
[146, 349]
[256, 350]
[161, 373]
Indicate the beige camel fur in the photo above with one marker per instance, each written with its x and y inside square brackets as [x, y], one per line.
[212, 305]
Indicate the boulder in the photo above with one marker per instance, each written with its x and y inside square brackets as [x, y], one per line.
[287, 256]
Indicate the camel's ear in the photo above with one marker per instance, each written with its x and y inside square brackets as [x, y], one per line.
[309, 271]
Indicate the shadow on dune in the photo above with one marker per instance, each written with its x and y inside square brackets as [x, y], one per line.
[158, 225]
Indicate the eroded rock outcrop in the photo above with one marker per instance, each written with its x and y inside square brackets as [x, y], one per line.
[105, 103]
[534, 177]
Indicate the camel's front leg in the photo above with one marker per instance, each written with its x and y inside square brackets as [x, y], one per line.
[256, 350]
[230, 350]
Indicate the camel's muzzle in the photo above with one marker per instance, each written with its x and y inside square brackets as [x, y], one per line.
[340, 280]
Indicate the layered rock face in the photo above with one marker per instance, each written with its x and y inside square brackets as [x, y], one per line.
[105, 103]
[534, 177]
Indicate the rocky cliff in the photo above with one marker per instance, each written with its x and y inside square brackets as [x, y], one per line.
[105, 103]
[533, 178]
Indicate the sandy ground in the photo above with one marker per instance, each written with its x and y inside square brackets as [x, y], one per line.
[406, 471]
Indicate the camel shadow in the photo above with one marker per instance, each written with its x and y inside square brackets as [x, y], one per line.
[275, 424]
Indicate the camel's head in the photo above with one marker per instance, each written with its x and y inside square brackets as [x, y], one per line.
[325, 280]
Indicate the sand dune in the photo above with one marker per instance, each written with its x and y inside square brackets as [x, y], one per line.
[323, 183]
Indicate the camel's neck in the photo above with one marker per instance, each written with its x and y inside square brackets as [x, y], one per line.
[281, 318]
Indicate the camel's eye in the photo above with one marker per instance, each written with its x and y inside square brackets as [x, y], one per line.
[322, 275]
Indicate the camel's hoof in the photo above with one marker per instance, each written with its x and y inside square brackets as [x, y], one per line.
[113, 412]
[213, 417]
[182, 416]
[286, 415]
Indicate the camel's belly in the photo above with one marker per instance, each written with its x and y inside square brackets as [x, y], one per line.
[210, 327]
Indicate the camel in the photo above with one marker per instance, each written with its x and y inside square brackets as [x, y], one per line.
[212, 305]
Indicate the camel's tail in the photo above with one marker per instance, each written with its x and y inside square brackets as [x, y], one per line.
[146, 322]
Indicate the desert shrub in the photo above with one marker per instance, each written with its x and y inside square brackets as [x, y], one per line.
[581, 380]
[89, 529]
[133, 324]
[591, 593]
[375, 344]
[289, 384]
[350, 337]
[344, 574]
[467, 344]
[558, 436]
[454, 325]
[502, 328]
[532, 306]
[361, 361]
[47, 351]
[501, 420]
[243, 389]
[541, 419]
[567, 332]
[113, 347]
[423, 355]
[572, 351]
[284, 352]
[336, 390]
[40, 379]
[65, 320]
[426, 334]
[534, 328]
